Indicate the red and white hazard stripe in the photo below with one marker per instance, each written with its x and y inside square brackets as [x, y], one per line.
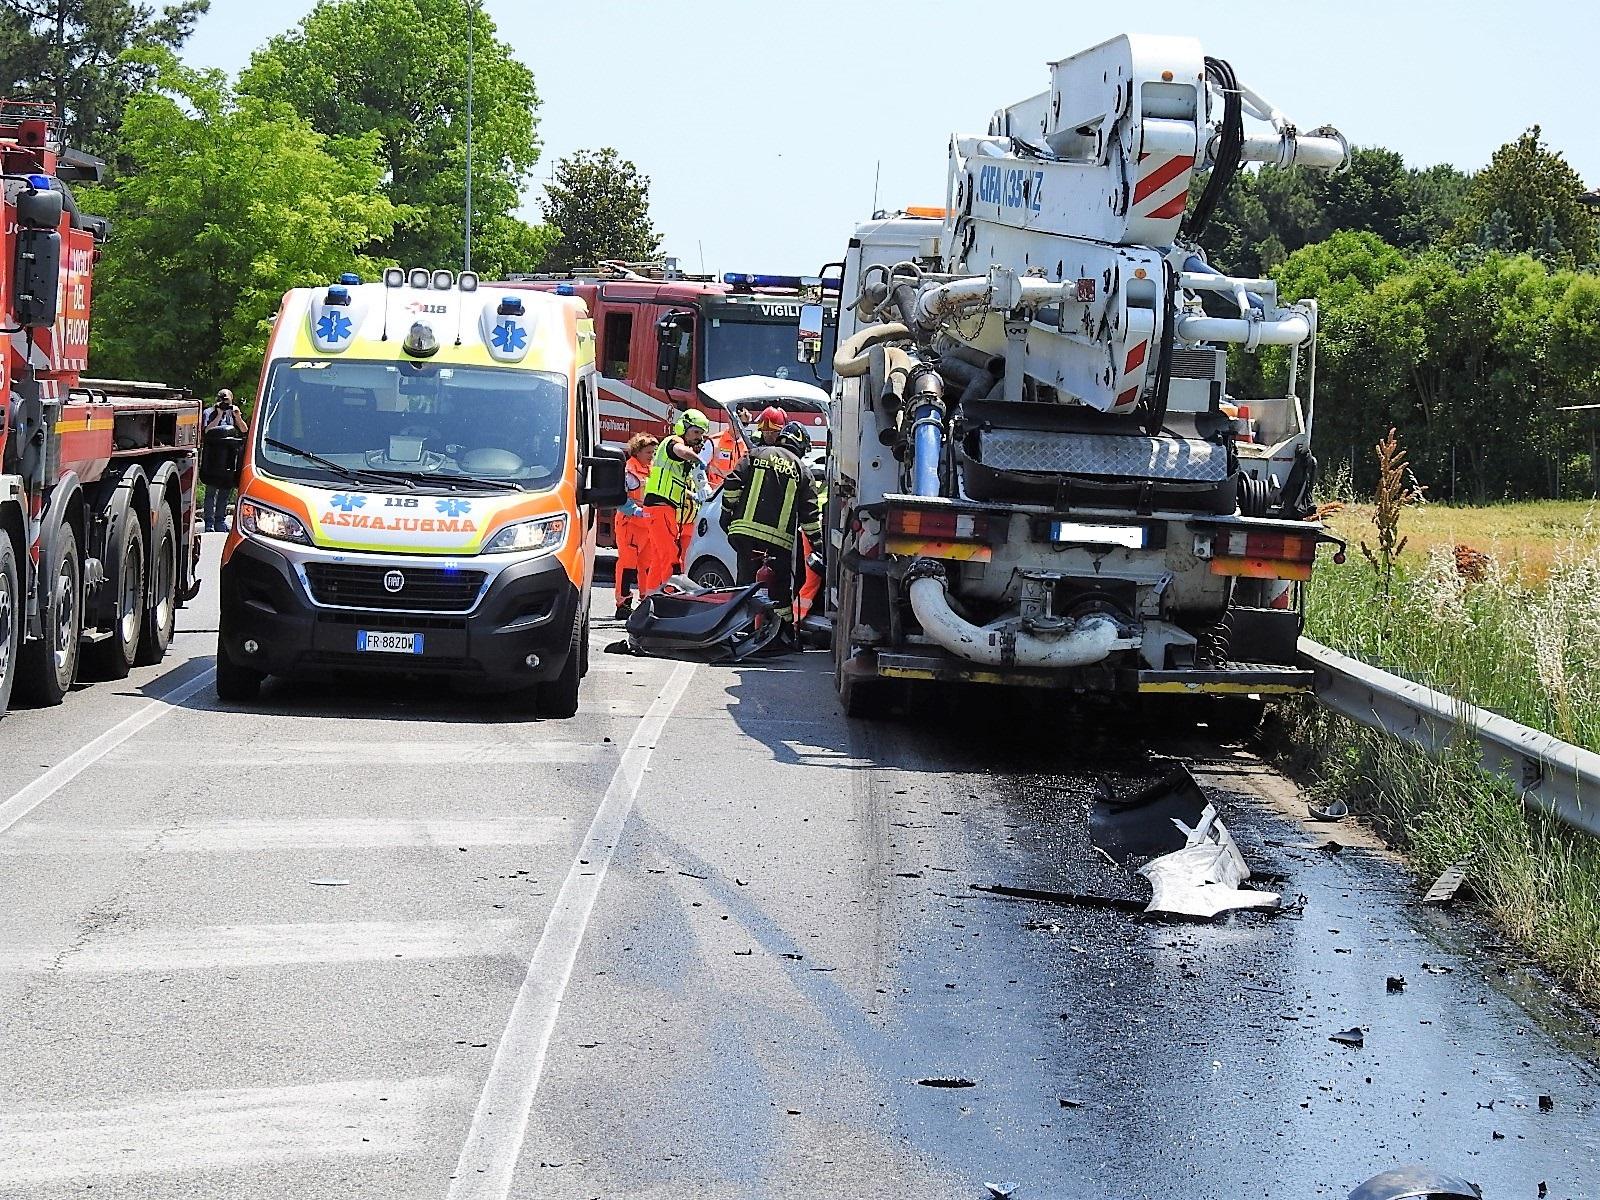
[1162, 189]
[1130, 380]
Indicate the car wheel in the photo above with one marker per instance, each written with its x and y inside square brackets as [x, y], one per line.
[710, 573]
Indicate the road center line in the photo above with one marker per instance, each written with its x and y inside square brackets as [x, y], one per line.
[488, 1162]
[79, 761]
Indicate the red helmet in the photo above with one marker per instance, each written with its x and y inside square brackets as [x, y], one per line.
[772, 418]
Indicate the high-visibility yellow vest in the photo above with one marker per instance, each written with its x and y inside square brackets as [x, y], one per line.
[669, 480]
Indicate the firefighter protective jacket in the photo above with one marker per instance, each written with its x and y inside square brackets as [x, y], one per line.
[768, 496]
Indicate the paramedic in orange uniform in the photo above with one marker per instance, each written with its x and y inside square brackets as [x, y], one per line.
[728, 448]
[629, 523]
[671, 501]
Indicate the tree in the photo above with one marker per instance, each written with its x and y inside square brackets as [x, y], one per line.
[601, 205]
[1528, 200]
[232, 201]
[71, 53]
[398, 69]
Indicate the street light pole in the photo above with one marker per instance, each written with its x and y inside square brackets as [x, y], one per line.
[471, 38]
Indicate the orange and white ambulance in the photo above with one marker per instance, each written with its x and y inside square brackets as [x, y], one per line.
[420, 490]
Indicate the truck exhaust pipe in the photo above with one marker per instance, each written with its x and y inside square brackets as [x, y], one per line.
[1089, 640]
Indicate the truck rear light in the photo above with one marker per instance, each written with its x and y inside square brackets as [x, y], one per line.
[945, 526]
[1272, 543]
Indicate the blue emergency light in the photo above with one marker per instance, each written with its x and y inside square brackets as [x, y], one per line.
[735, 279]
[338, 295]
[39, 183]
[510, 306]
[350, 278]
[566, 289]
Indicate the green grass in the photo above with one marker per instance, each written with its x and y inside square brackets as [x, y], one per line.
[1522, 640]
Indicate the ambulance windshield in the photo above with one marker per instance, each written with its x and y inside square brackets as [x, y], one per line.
[423, 420]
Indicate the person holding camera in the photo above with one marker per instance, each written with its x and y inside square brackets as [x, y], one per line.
[223, 415]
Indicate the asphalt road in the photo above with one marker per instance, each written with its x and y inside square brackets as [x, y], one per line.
[707, 939]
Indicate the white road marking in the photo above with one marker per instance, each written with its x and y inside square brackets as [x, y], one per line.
[207, 1130]
[488, 1161]
[234, 947]
[365, 752]
[79, 761]
[226, 837]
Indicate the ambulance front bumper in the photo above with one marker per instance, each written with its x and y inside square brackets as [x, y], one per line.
[293, 610]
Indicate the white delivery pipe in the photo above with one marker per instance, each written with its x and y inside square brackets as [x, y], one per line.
[1089, 641]
[1288, 330]
[936, 303]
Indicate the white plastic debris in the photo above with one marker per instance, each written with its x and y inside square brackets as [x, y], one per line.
[1203, 878]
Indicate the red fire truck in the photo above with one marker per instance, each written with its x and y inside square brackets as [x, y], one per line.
[97, 477]
[659, 334]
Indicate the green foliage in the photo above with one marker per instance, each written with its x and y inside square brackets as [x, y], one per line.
[232, 200]
[71, 54]
[1527, 201]
[398, 69]
[601, 204]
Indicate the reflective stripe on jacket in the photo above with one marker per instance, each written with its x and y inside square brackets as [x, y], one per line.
[769, 496]
[670, 477]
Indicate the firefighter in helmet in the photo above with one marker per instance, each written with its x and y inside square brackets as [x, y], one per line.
[767, 501]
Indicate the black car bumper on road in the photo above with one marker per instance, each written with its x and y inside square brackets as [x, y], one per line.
[299, 614]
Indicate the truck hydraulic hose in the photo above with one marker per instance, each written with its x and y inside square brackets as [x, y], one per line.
[851, 359]
[1088, 641]
[925, 396]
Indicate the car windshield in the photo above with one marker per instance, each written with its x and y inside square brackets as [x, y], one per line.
[735, 348]
[323, 419]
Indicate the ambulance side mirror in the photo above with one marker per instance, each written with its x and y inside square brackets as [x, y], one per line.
[605, 481]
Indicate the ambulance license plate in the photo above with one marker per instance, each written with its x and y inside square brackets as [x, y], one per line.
[388, 643]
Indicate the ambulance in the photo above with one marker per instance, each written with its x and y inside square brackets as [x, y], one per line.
[420, 491]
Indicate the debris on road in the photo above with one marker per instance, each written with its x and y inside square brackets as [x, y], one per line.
[1444, 888]
[1547, 1103]
[1148, 822]
[1334, 810]
[1087, 900]
[1396, 983]
[1354, 1036]
[1001, 1191]
[330, 883]
[1070, 1103]
[1414, 1182]
[1203, 879]
[941, 1081]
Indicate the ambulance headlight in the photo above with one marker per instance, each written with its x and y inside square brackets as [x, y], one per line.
[257, 520]
[543, 535]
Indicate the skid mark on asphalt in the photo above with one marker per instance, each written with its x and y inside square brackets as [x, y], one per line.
[233, 947]
[191, 1131]
[488, 1163]
[249, 836]
[64, 772]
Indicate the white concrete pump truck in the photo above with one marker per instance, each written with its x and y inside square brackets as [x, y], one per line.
[1038, 475]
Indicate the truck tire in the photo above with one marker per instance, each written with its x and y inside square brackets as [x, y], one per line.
[48, 666]
[862, 699]
[236, 684]
[559, 697]
[161, 617]
[114, 657]
[11, 619]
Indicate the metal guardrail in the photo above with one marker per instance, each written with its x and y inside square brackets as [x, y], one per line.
[1561, 779]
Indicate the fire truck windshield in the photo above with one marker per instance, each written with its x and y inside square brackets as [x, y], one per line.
[735, 348]
[420, 420]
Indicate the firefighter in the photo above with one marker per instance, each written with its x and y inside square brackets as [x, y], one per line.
[671, 501]
[728, 448]
[770, 424]
[629, 523]
[768, 499]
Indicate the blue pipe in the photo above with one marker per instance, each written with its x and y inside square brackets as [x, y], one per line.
[925, 391]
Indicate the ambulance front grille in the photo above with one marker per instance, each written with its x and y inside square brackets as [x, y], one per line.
[421, 589]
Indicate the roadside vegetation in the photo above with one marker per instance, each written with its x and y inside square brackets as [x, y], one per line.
[1499, 606]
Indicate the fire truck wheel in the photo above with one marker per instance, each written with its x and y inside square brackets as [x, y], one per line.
[48, 666]
[559, 696]
[10, 618]
[162, 615]
[114, 657]
[236, 684]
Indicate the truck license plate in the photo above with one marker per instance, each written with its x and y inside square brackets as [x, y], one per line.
[388, 643]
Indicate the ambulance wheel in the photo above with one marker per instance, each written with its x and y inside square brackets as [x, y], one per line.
[236, 684]
[114, 657]
[162, 615]
[50, 665]
[10, 618]
[583, 662]
[559, 696]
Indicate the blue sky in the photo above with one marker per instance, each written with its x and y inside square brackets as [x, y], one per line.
[762, 124]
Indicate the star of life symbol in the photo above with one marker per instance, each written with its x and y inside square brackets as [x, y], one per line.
[454, 508]
[348, 503]
[509, 337]
[334, 327]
